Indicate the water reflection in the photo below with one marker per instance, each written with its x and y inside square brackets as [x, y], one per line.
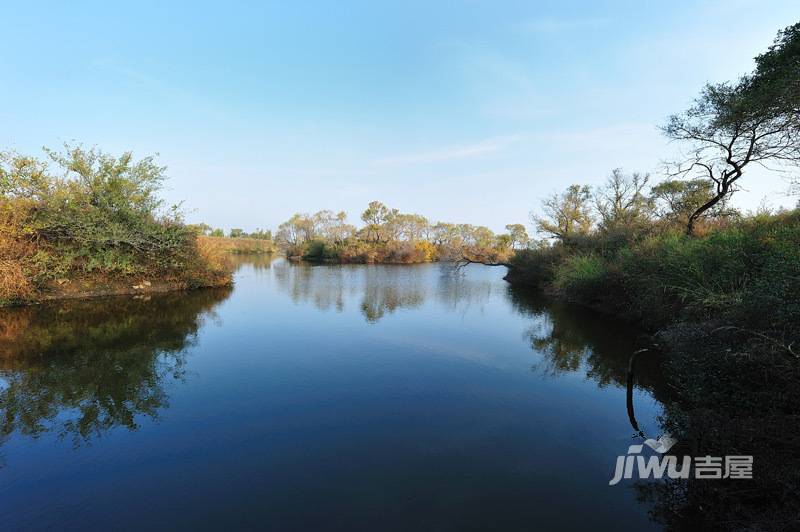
[380, 290]
[568, 338]
[358, 395]
[571, 338]
[82, 368]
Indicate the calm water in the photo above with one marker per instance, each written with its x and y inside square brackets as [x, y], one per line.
[316, 398]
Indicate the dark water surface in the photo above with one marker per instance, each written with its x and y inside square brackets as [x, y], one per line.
[320, 398]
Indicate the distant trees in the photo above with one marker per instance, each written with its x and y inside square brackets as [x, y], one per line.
[260, 234]
[200, 229]
[303, 228]
[236, 232]
[389, 235]
[377, 218]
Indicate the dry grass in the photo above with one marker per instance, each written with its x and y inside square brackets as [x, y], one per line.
[242, 246]
[214, 252]
[14, 285]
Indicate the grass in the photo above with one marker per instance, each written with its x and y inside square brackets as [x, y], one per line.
[238, 246]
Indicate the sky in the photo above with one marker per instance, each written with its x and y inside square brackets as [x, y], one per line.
[465, 111]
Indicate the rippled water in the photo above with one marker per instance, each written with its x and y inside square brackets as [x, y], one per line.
[321, 397]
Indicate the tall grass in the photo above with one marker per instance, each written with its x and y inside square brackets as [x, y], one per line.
[239, 245]
[748, 271]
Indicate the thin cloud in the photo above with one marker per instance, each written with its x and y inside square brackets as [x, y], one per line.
[451, 153]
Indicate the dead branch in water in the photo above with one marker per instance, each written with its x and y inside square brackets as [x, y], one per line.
[464, 261]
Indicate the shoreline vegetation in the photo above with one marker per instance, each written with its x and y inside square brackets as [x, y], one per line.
[719, 291]
[391, 237]
[82, 223]
[239, 245]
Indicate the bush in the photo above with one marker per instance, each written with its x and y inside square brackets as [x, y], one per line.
[320, 251]
[582, 277]
[99, 216]
[744, 272]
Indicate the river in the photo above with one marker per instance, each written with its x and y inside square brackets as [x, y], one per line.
[322, 398]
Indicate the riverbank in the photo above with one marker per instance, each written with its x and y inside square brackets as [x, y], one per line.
[94, 226]
[240, 245]
[87, 285]
[723, 307]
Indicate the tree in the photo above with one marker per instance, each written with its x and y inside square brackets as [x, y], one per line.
[217, 232]
[504, 241]
[296, 230]
[623, 201]
[339, 230]
[775, 83]
[200, 229]
[567, 214]
[117, 185]
[376, 217]
[733, 125]
[676, 200]
[444, 234]
[236, 233]
[518, 234]
[260, 234]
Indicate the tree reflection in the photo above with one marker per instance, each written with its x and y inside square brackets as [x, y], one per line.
[570, 338]
[378, 289]
[81, 368]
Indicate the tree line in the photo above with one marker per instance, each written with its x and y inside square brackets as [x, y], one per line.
[388, 235]
[730, 127]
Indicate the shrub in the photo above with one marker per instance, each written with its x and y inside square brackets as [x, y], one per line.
[745, 271]
[99, 216]
[320, 251]
[581, 277]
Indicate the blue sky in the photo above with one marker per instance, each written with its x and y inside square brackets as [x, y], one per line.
[462, 111]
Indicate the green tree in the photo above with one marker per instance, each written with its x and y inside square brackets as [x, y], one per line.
[260, 234]
[676, 200]
[623, 200]
[567, 214]
[518, 234]
[774, 84]
[376, 217]
[200, 229]
[730, 126]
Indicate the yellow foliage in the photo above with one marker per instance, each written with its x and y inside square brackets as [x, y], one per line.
[14, 286]
[425, 250]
